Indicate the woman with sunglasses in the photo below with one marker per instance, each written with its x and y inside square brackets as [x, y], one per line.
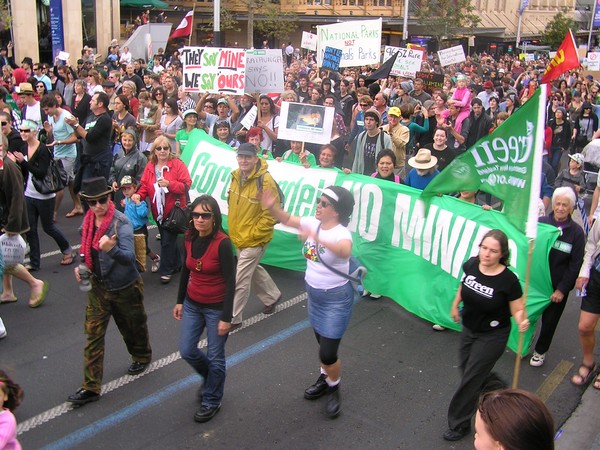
[159, 96]
[94, 82]
[165, 171]
[584, 128]
[117, 288]
[205, 300]
[39, 206]
[330, 296]
[40, 90]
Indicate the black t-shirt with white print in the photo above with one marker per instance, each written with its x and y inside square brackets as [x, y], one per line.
[486, 298]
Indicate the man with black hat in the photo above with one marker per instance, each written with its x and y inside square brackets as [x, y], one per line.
[251, 228]
[117, 289]
[368, 144]
[109, 88]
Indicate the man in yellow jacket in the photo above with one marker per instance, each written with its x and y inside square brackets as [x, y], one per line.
[251, 229]
[400, 136]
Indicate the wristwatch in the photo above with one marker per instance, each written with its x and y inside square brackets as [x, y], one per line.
[76, 125]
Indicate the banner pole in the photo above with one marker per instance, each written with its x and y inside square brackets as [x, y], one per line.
[192, 32]
[521, 334]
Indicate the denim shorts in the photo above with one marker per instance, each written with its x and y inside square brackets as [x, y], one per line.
[591, 302]
[329, 310]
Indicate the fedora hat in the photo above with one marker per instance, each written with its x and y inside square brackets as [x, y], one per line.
[95, 188]
[25, 88]
[423, 160]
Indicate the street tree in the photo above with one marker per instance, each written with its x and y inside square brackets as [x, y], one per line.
[557, 29]
[447, 18]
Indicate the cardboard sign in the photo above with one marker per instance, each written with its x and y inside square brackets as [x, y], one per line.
[309, 41]
[431, 81]
[360, 41]
[332, 58]
[250, 117]
[264, 71]
[593, 61]
[305, 123]
[408, 62]
[63, 56]
[452, 55]
[214, 70]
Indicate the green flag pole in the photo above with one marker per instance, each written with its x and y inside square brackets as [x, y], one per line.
[522, 334]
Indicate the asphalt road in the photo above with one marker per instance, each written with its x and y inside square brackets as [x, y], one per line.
[398, 374]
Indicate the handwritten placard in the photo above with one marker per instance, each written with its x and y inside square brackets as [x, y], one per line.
[359, 40]
[309, 41]
[408, 62]
[305, 123]
[593, 61]
[332, 58]
[214, 70]
[452, 55]
[264, 71]
[250, 118]
[431, 81]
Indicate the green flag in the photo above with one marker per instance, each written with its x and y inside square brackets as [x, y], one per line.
[507, 164]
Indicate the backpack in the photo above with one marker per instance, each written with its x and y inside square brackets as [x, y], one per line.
[259, 184]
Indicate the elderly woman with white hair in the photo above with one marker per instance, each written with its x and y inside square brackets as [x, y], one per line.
[565, 260]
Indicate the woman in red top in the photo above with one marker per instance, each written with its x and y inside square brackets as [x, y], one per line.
[205, 300]
[165, 180]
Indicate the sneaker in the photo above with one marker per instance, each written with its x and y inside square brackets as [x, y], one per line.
[437, 327]
[537, 360]
[155, 264]
[158, 237]
[2, 330]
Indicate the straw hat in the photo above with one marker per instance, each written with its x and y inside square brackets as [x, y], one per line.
[423, 160]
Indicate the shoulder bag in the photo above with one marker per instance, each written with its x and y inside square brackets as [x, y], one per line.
[178, 219]
[55, 179]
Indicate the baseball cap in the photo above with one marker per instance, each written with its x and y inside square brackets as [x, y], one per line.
[246, 149]
[578, 158]
[394, 111]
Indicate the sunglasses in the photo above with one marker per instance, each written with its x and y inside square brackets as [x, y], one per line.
[159, 148]
[40, 86]
[3, 123]
[363, 105]
[324, 204]
[101, 201]
[25, 131]
[203, 215]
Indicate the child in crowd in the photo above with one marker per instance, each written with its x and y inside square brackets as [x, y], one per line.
[423, 169]
[10, 397]
[461, 99]
[137, 213]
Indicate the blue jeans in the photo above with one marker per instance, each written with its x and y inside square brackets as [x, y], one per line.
[44, 211]
[210, 366]
[170, 257]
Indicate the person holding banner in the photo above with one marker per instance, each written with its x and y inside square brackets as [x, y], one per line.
[298, 155]
[490, 294]
[330, 295]
[254, 137]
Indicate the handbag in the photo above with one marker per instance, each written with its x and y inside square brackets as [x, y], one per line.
[55, 179]
[139, 243]
[177, 221]
[356, 271]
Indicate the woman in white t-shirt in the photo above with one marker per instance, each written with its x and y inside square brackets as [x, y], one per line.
[330, 296]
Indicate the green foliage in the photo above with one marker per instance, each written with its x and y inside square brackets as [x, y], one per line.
[228, 22]
[447, 18]
[274, 23]
[557, 29]
[5, 16]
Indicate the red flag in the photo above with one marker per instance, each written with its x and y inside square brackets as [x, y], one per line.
[566, 58]
[185, 27]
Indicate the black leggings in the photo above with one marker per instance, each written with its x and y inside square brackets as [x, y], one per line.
[328, 349]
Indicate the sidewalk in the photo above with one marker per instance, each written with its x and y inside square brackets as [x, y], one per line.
[582, 430]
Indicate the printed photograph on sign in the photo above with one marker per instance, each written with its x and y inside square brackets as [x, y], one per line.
[305, 123]
[214, 70]
[263, 71]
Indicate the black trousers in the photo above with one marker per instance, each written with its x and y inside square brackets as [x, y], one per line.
[477, 356]
[550, 318]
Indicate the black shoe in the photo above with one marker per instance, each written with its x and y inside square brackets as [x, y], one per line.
[456, 434]
[136, 367]
[206, 413]
[316, 390]
[235, 326]
[271, 308]
[83, 396]
[334, 404]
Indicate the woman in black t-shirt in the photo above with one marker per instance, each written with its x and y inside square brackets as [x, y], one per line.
[490, 294]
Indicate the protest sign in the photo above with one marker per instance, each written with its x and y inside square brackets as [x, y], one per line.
[331, 58]
[249, 118]
[408, 62]
[452, 55]
[63, 56]
[264, 71]
[405, 251]
[305, 123]
[214, 70]
[309, 41]
[593, 61]
[360, 41]
[431, 81]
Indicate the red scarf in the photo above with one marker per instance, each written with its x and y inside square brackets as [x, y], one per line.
[89, 239]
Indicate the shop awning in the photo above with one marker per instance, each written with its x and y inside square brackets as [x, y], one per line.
[144, 4]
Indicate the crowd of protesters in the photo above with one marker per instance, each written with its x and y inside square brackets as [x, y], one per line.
[120, 126]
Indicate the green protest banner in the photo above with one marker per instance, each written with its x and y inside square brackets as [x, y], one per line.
[412, 257]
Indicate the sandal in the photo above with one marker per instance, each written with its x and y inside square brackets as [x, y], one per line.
[74, 213]
[580, 379]
[8, 300]
[37, 300]
[596, 384]
[67, 259]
